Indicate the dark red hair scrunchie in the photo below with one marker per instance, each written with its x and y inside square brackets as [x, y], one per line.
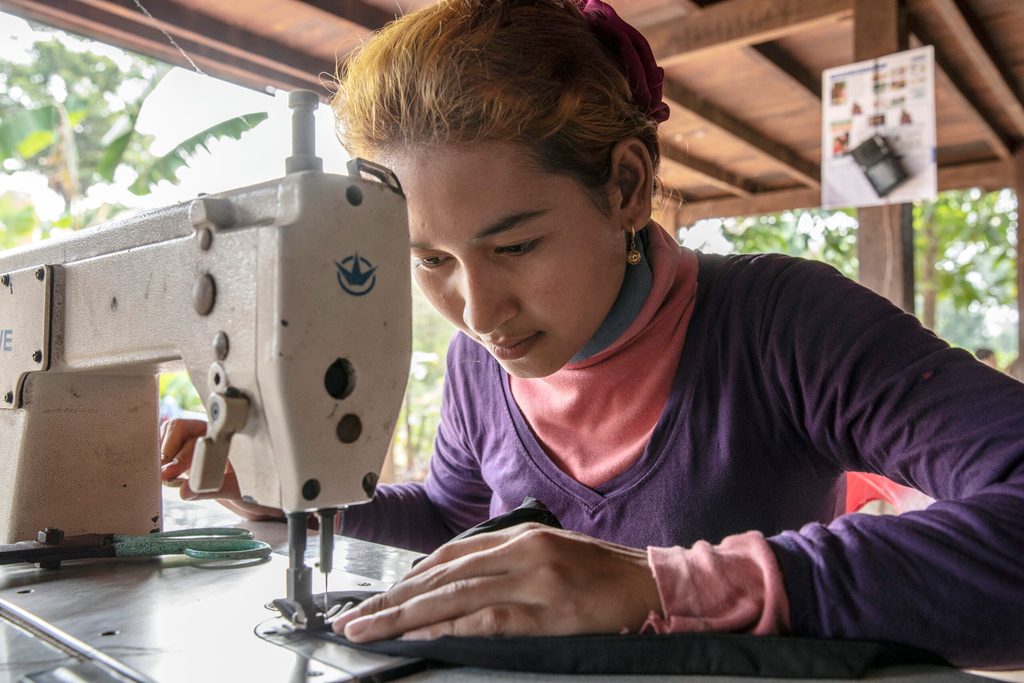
[645, 77]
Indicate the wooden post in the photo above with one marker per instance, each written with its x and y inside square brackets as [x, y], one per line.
[885, 238]
[1018, 186]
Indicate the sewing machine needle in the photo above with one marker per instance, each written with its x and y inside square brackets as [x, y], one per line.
[327, 548]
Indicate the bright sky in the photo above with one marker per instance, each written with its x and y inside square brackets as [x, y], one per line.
[184, 104]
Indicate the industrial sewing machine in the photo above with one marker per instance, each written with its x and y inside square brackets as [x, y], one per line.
[288, 303]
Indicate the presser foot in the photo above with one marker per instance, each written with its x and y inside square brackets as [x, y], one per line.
[301, 617]
[326, 607]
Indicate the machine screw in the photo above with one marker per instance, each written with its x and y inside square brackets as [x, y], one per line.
[370, 483]
[354, 195]
[9, 397]
[5, 280]
[221, 346]
[37, 356]
[40, 274]
[204, 294]
[311, 489]
[51, 535]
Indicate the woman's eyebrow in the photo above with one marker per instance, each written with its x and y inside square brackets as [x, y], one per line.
[499, 226]
[506, 223]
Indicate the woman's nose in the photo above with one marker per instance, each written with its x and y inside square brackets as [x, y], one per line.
[488, 303]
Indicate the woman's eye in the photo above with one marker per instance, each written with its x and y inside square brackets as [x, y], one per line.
[517, 249]
[429, 261]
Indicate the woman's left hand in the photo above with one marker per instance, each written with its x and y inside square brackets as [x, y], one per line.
[526, 580]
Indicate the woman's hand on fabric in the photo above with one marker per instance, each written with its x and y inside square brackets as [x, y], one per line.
[526, 580]
[177, 446]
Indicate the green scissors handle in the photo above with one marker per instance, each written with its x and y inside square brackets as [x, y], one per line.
[211, 543]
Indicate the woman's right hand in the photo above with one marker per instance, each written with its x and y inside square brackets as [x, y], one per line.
[177, 445]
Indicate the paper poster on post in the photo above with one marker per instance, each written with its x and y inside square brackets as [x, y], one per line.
[894, 97]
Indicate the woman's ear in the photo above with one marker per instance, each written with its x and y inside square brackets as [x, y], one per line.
[631, 184]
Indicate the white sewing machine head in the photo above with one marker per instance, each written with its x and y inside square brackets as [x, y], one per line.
[289, 304]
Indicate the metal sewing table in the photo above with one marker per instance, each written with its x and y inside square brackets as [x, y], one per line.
[175, 620]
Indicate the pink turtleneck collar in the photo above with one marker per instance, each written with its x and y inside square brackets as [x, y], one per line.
[616, 397]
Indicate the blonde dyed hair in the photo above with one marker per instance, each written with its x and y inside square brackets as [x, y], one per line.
[466, 71]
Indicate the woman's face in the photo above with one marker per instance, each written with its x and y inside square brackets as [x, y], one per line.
[520, 259]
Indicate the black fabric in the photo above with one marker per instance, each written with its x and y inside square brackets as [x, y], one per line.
[343, 599]
[679, 653]
[531, 510]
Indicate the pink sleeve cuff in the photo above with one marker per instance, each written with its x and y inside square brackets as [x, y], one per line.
[735, 586]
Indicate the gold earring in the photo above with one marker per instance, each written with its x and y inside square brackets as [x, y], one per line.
[633, 255]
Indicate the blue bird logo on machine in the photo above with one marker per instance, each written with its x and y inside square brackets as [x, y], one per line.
[356, 275]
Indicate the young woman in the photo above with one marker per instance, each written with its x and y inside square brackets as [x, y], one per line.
[688, 418]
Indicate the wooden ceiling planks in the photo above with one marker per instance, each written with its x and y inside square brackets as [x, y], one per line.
[298, 25]
[243, 53]
[744, 75]
[751, 111]
[987, 175]
[970, 60]
[725, 26]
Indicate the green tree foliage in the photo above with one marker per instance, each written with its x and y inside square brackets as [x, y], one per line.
[965, 252]
[57, 108]
[70, 114]
[829, 236]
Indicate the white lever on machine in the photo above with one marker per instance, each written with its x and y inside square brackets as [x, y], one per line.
[228, 415]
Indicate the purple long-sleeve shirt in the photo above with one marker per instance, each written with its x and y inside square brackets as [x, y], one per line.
[791, 374]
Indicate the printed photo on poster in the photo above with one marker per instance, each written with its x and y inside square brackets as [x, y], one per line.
[891, 99]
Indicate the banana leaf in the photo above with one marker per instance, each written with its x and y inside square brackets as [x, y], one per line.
[166, 167]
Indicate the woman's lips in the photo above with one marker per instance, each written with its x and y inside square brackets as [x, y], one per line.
[515, 350]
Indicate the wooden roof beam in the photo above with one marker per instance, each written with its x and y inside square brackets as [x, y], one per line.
[761, 203]
[787, 159]
[956, 90]
[769, 54]
[712, 174]
[740, 23]
[990, 176]
[987, 175]
[205, 30]
[787, 65]
[983, 65]
[357, 12]
[120, 23]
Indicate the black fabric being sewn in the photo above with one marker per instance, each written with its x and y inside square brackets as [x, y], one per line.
[678, 653]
